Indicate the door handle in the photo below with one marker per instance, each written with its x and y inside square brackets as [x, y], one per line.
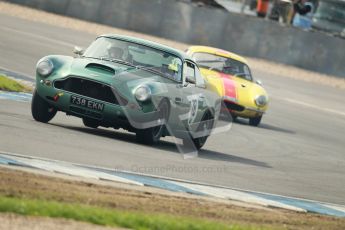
[178, 100]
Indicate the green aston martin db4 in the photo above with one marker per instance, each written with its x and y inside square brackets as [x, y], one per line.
[130, 83]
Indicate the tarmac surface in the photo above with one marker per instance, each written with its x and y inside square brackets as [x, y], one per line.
[298, 150]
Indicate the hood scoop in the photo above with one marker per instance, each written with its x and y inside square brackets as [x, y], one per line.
[100, 68]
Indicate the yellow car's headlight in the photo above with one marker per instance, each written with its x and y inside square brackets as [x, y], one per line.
[261, 100]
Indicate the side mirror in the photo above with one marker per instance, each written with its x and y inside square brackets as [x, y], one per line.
[78, 50]
[190, 79]
[259, 82]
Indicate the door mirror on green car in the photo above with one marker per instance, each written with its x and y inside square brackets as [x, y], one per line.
[78, 50]
[190, 79]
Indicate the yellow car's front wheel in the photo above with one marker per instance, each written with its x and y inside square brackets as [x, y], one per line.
[255, 121]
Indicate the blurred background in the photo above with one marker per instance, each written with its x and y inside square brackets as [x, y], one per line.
[327, 15]
[254, 28]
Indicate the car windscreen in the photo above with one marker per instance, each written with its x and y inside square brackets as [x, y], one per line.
[222, 64]
[136, 55]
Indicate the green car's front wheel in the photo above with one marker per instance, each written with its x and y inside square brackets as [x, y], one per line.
[92, 123]
[152, 135]
[41, 110]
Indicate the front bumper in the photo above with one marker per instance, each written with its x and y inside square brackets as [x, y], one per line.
[249, 112]
[244, 111]
[130, 116]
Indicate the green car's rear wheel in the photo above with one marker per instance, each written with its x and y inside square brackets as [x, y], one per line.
[152, 135]
[40, 109]
[89, 122]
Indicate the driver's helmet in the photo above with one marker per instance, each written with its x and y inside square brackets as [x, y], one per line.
[118, 51]
[230, 67]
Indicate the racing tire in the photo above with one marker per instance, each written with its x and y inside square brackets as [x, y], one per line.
[91, 123]
[206, 123]
[41, 110]
[234, 117]
[255, 121]
[152, 135]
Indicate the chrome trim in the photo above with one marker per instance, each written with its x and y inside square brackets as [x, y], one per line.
[254, 110]
[231, 99]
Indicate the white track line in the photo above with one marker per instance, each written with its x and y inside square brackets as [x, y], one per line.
[336, 207]
[39, 37]
[238, 196]
[72, 170]
[305, 104]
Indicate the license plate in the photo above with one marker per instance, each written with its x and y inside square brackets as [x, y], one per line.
[87, 103]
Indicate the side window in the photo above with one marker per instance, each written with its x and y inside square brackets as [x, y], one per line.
[199, 80]
[189, 71]
[247, 73]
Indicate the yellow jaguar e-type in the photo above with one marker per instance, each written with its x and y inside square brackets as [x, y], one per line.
[229, 75]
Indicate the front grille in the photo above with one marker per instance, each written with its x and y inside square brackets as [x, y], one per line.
[234, 107]
[90, 89]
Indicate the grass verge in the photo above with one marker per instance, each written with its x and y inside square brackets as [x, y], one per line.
[8, 84]
[107, 217]
[127, 201]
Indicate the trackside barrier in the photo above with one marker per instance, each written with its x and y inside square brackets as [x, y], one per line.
[201, 25]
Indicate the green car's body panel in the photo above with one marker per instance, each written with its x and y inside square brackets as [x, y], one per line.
[123, 80]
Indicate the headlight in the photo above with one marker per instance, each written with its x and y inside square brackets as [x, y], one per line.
[261, 100]
[45, 67]
[142, 93]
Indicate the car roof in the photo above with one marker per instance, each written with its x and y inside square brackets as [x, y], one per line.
[217, 51]
[152, 44]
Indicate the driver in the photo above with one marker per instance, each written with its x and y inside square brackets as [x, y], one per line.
[119, 51]
[230, 67]
[115, 52]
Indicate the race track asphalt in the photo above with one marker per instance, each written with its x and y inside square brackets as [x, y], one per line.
[298, 150]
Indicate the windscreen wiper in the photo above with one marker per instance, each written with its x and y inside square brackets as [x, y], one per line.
[209, 61]
[150, 69]
[120, 61]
